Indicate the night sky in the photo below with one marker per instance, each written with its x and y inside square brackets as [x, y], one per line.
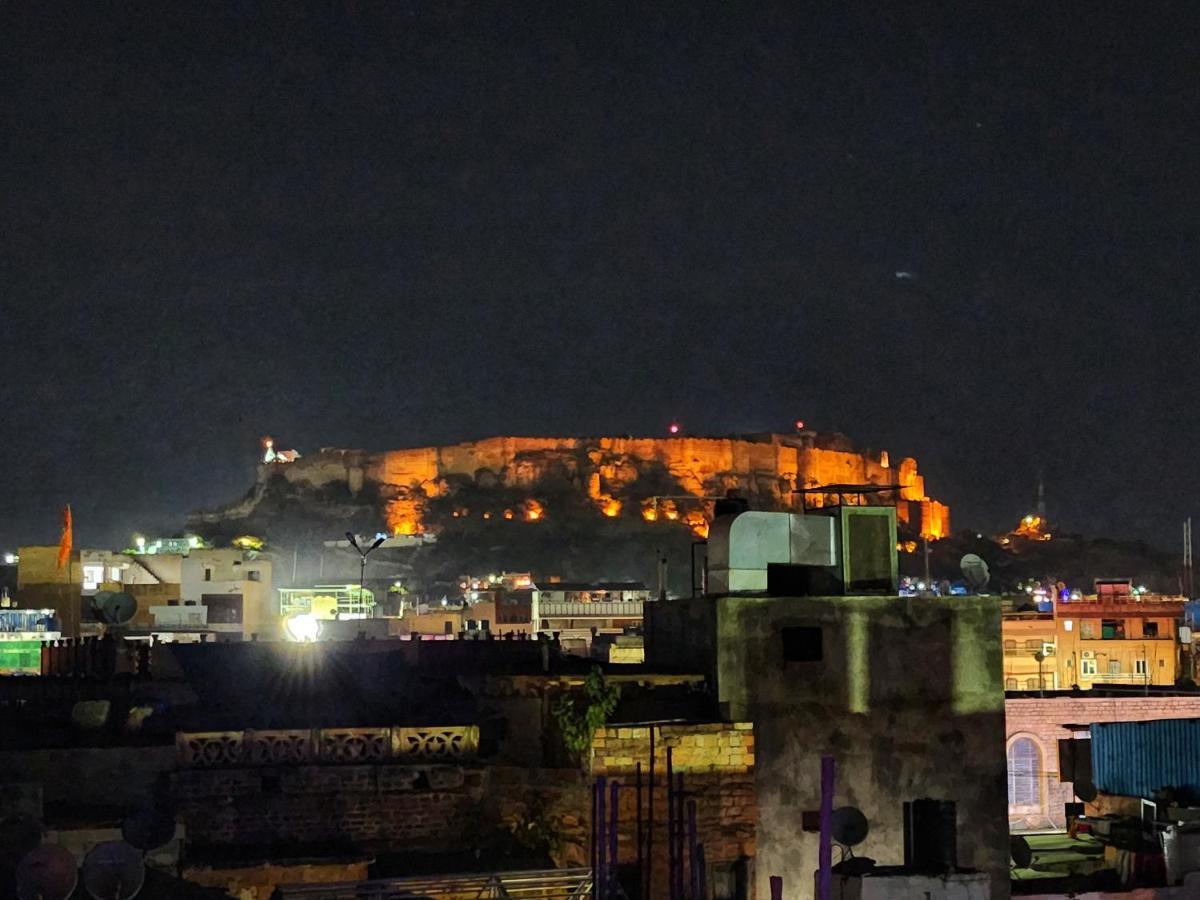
[391, 224]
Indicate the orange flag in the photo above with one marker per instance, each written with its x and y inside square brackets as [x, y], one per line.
[67, 539]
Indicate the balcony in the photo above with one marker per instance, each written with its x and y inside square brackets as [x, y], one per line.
[626, 609]
[1115, 678]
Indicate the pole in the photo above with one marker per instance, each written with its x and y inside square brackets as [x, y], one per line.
[650, 823]
[928, 584]
[671, 825]
[595, 845]
[825, 852]
[679, 836]
[600, 876]
[614, 821]
[693, 847]
[638, 781]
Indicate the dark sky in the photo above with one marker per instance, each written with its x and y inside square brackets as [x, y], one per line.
[388, 224]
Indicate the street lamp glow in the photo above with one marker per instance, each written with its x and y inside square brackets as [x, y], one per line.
[303, 628]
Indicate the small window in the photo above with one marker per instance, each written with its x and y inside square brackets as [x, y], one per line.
[207, 574]
[448, 627]
[1139, 666]
[802, 644]
[1031, 684]
[1033, 644]
[1087, 629]
[1087, 667]
[1010, 684]
[1114, 667]
[1150, 629]
[253, 575]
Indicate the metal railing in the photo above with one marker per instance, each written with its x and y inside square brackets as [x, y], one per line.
[544, 884]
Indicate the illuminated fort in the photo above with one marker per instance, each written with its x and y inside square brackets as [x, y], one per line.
[675, 478]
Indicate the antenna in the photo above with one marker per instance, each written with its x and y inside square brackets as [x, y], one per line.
[975, 571]
[47, 873]
[113, 871]
[114, 608]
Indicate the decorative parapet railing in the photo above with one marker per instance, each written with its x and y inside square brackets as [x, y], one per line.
[214, 749]
[629, 609]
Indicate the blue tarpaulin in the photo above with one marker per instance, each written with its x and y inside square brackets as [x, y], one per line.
[1136, 759]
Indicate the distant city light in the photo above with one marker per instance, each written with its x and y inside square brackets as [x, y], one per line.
[10, 559]
[674, 428]
[139, 542]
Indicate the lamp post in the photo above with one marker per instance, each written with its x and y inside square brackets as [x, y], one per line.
[362, 560]
[1041, 658]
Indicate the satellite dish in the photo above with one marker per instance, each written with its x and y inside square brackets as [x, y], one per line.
[114, 608]
[1085, 791]
[849, 826]
[148, 828]
[975, 571]
[1020, 851]
[47, 873]
[113, 871]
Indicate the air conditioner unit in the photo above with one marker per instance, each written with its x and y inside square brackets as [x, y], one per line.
[1048, 649]
[1089, 654]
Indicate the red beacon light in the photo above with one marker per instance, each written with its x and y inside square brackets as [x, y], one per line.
[799, 424]
[673, 428]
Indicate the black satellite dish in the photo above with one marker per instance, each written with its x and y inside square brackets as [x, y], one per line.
[47, 873]
[1085, 791]
[113, 871]
[114, 608]
[1020, 851]
[148, 828]
[849, 826]
[975, 571]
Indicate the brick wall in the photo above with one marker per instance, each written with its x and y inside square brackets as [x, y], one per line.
[367, 806]
[1042, 720]
[717, 763]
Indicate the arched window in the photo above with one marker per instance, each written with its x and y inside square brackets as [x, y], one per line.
[1024, 773]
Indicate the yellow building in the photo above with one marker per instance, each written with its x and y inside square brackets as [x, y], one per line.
[1025, 636]
[1130, 640]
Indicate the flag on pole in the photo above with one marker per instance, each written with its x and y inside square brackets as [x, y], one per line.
[67, 539]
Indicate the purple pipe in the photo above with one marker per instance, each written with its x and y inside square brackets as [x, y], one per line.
[600, 876]
[825, 853]
[614, 820]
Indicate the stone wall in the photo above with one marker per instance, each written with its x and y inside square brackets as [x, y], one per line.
[1044, 721]
[765, 469]
[717, 764]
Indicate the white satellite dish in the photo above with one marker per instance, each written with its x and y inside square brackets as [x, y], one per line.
[114, 871]
[975, 571]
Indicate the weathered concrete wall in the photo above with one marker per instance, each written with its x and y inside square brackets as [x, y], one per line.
[1044, 721]
[906, 697]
